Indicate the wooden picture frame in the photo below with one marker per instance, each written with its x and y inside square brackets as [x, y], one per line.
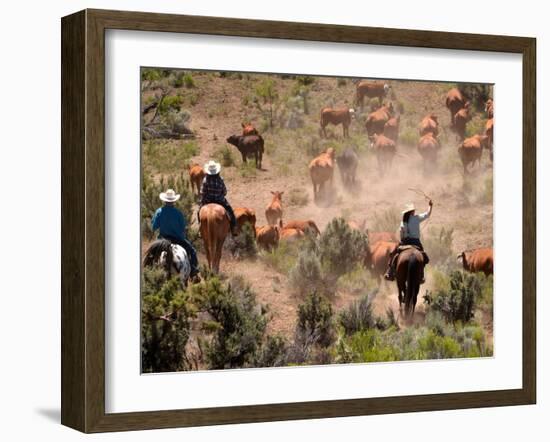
[83, 216]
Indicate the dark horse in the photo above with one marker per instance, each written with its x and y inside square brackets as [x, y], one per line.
[409, 270]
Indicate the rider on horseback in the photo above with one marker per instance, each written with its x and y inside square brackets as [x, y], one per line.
[409, 231]
[171, 224]
[213, 190]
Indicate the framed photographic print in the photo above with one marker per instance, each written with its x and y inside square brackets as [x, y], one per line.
[267, 221]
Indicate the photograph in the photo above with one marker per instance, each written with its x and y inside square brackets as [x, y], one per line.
[303, 220]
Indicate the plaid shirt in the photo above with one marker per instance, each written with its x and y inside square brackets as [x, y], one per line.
[213, 189]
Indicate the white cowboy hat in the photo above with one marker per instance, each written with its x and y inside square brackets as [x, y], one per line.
[169, 196]
[212, 167]
[408, 208]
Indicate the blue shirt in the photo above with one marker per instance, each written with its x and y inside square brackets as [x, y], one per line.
[411, 229]
[170, 222]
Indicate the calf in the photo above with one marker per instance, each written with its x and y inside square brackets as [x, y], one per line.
[248, 129]
[385, 151]
[477, 260]
[303, 225]
[429, 124]
[377, 257]
[347, 164]
[376, 120]
[471, 149]
[460, 120]
[336, 116]
[249, 145]
[274, 211]
[196, 175]
[267, 237]
[454, 102]
[243, 216]
[428, 148]
[391, 128]
[321, 170]
[489, 132]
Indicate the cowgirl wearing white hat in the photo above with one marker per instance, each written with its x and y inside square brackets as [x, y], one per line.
[171, 224]
[213, 190]
[409, 231]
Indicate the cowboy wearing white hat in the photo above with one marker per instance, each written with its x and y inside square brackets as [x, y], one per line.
[409, 231]
[171, 224]
[213, 190]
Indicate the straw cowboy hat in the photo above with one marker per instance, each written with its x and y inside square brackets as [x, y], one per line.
[212, 167]
[169, 196]
[408, 208]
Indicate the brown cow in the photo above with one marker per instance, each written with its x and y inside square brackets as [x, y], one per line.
[459, 122]
[196, 175]
[489, 132]
[428, 148]
[370, 89]
[303, 225]
[374, 237]
[274, 211]
[248, 129]
[321, 170]
[489, 108]
[214, 228]
[340, 115]
[376, 120]
[385, 151]
[471, 149]
[245, 215]
[267, 237]
[429, 124]
[477, 260]
[391, 128]
[377, 257]
[454, 102]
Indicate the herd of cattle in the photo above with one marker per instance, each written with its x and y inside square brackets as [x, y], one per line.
[382, 126]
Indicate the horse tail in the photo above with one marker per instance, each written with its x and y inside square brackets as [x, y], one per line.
[154, 252]
[413, 282]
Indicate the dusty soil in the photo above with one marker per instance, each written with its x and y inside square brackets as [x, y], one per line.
[218, 113]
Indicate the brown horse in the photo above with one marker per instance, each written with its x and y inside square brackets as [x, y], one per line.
[409, 271]
[214, 229]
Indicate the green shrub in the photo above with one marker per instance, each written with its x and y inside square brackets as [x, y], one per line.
[165, 327]
[236, 326]
[459, 302]
[305, 80]
[225, 155]
[281, 258]
[273, 352]
[340, 248]
[306, 274]
[244, 244]
[298, 197]
[170, 103]
[358, 316]
[248, 169]
[188, 80]
[315, 324]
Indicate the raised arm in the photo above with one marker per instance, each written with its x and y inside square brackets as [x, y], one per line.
[424, 216]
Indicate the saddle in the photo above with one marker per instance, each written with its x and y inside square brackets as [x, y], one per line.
[402, 248]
